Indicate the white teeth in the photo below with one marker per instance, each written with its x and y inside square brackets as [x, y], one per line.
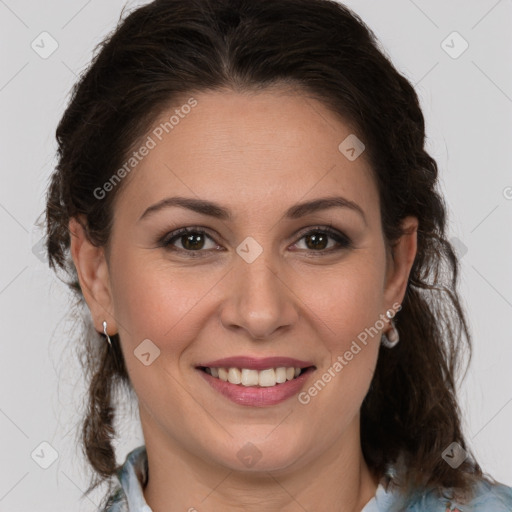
[281, 375]
[234, 376]
[248, 377]
[267, 378]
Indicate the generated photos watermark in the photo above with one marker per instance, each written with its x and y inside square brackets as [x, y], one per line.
[305, 397]
[150, 143]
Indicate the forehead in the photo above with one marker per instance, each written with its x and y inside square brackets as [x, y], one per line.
[254, 151]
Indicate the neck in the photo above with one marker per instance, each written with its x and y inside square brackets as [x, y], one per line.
[336, 479]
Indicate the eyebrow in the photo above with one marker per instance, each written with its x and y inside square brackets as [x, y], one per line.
[211, 209]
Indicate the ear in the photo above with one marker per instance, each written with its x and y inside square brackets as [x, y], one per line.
[93, 276]
[399, 262]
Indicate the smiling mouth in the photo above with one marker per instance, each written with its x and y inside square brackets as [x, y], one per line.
[256, 378]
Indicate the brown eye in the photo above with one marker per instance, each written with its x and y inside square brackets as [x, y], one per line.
[317, 240]
[192, 241]
[187, 240]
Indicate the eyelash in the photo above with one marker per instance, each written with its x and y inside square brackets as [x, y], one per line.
[167, 240]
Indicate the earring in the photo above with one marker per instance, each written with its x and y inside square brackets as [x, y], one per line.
[391, 338]
[105, 332]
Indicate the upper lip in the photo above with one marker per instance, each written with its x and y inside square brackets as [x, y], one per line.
[253, 363]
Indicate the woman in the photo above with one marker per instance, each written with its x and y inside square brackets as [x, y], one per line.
[244, 202]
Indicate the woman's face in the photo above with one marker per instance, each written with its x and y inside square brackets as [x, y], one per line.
[264, 280]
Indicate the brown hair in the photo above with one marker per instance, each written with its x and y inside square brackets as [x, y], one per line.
[169, 48]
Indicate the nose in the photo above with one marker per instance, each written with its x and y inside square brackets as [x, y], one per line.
[259, 300]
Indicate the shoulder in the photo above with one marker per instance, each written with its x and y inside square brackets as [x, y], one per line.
[131, 476]
[495, 497]
[116, 502]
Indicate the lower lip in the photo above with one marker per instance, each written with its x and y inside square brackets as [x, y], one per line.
[257, 396]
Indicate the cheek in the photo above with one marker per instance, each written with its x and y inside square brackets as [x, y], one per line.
[347, 306]
[151, 302]
[346, 300]
[151, 299]
[347, 309]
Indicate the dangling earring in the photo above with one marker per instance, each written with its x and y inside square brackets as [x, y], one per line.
[391, 338]
[105, 332]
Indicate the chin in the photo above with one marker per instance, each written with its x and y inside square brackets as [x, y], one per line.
[244, 455]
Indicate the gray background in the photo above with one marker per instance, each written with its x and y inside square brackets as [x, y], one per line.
[467, 102]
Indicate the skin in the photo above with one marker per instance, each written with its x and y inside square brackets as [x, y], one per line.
[257, 155]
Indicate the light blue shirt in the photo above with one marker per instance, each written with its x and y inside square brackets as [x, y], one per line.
[132, 476]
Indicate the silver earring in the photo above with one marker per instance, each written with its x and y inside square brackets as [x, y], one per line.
[391, 338]
[105, 332]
